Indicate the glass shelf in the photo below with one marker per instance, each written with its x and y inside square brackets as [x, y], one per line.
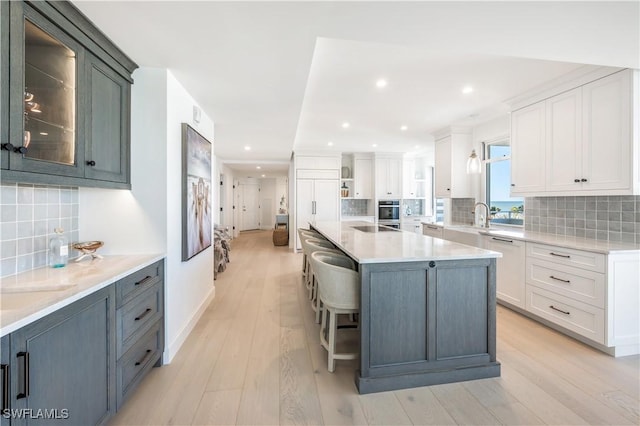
[49, 97]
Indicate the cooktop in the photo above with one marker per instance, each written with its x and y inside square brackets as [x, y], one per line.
[375, 228]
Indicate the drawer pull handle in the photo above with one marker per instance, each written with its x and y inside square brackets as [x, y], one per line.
[432, 227]
[144, 358]
[5, 386]
[25, 376]
[142, 315]
[559, 279]
[144, 280]
[500, 239]
[566, 256]
[559, 310]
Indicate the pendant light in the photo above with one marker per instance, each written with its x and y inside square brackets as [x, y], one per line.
[473, 163]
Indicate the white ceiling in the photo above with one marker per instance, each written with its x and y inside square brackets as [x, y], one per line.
[283, 76]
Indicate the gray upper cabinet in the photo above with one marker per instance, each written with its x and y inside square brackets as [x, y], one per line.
[67, 106]
[4, 83]
[107, 131]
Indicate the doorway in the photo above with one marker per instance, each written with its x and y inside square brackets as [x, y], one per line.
[249, 206]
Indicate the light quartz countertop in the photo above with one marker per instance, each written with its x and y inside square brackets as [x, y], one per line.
[395, 246]
[566, 241]
[29, 296]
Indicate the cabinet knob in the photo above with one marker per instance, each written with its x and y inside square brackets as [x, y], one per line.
[513, 184]
[448, 189]
[576, 180]
[21, 150]
[583, 180]
[91, 163]
[7, 146]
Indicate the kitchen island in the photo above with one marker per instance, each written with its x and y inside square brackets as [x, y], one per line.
[427, 307]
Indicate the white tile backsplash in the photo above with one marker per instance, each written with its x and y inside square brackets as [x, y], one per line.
[28, 215]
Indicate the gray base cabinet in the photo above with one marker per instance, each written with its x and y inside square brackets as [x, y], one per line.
[78, 365]
[65, 363]
[425, 323]
[5, 376]
[139, 327]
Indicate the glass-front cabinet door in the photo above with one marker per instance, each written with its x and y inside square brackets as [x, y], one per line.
[45, 121]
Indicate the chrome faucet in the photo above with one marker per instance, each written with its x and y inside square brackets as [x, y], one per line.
[486, 218]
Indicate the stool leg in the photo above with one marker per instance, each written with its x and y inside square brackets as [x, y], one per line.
[331, 363]
[318, 309]
[323, 327]
[304, 265]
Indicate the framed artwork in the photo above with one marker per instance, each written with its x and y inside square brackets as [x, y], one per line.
[196, 193]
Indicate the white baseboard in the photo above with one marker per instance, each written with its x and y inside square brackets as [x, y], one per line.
[172, 349]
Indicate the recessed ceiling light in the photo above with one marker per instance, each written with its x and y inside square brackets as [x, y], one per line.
[467, 89]
[330, 143]
[403, 128]
[263, 175]
[345, 125]
[381, 83]
[374, 145]
[258, 167]
[247, 148]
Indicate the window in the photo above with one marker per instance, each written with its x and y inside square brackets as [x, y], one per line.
[504, 208]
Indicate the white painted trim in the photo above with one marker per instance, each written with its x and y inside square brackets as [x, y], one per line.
[172, 349]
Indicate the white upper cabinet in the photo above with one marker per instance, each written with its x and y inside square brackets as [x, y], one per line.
[563, 137]
[363, 178]
[452, 152]
[388, 177]
[578, 142]
[409, 184]
[528, 149]
[607, 148]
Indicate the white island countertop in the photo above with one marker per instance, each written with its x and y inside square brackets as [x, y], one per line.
[29, 296]
[394, 245]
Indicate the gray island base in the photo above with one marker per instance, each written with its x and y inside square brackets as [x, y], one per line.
[427, 308]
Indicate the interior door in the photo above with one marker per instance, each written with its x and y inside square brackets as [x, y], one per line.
[250, 208]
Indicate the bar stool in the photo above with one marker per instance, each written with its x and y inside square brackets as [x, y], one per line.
[309, 245]
[313, 246]
[307, 233]
[339, 293]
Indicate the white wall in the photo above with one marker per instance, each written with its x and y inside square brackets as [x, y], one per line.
[148, 218]
[135, 221]
[190, 284]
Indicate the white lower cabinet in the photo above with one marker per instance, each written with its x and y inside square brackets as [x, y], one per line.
[432, 230]
[591, 294]
[510, 287]
[581, 318]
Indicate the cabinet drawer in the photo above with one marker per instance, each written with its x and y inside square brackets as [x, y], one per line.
[432, 230]
[575, 283]
[586, 320]
[134, 284]
[564, 256]
[136, 315]
[137, 361]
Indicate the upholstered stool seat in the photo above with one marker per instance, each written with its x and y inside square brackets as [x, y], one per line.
[307, 233]
[338, 293]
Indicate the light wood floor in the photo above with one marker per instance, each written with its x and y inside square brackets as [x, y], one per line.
[255, 358]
